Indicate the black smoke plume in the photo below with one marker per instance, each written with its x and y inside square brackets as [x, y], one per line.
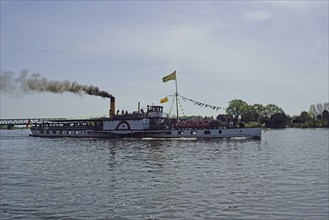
[26, 84]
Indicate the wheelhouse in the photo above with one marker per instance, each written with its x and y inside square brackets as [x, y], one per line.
[155, 112]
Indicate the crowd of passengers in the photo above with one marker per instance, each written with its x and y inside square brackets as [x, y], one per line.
[207, 123]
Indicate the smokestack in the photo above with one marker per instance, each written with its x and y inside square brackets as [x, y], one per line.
[112, 106]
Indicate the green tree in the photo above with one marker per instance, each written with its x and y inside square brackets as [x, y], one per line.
[253, 113]
[236, 108]
[278, 120]
[259, 110]
[272, 109]
[318, 114]
[321, 110]
[304, 117]
[325, 117]
[248, 114]
[268, 111]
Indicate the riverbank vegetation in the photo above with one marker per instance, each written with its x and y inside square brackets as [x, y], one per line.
[273, 116]
[240, 114]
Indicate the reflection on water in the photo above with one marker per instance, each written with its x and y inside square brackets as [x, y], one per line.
[282, 176]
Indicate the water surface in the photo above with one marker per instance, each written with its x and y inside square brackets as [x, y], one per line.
[282, 176]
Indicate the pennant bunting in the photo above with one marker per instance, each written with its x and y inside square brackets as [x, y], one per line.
[201, 104]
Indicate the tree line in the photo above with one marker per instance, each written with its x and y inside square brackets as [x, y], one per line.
[274, 116]
[317, 116]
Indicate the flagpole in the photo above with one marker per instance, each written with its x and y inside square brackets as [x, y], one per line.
[176, 96]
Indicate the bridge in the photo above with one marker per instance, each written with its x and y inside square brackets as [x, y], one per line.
[10, 123]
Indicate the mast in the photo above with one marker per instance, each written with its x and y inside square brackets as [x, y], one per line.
[176, 95]
[172, 76]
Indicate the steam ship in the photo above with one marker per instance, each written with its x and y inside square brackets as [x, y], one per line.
[151, 122]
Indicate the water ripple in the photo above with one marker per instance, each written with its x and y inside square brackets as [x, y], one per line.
[282, 176]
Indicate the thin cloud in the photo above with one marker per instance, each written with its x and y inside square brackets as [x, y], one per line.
[258, 16]
[229, 45]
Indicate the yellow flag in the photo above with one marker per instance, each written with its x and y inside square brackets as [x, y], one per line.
[171, 76]
[165, 99]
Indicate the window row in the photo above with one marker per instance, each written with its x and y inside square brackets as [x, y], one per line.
[193, 132]
[64, 132]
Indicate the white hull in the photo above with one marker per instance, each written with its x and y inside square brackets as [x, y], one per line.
[183, 133]
[211, 133]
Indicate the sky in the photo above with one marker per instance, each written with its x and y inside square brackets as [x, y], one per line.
[266, 52]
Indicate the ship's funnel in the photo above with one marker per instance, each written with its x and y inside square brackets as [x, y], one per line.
[112, 106]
